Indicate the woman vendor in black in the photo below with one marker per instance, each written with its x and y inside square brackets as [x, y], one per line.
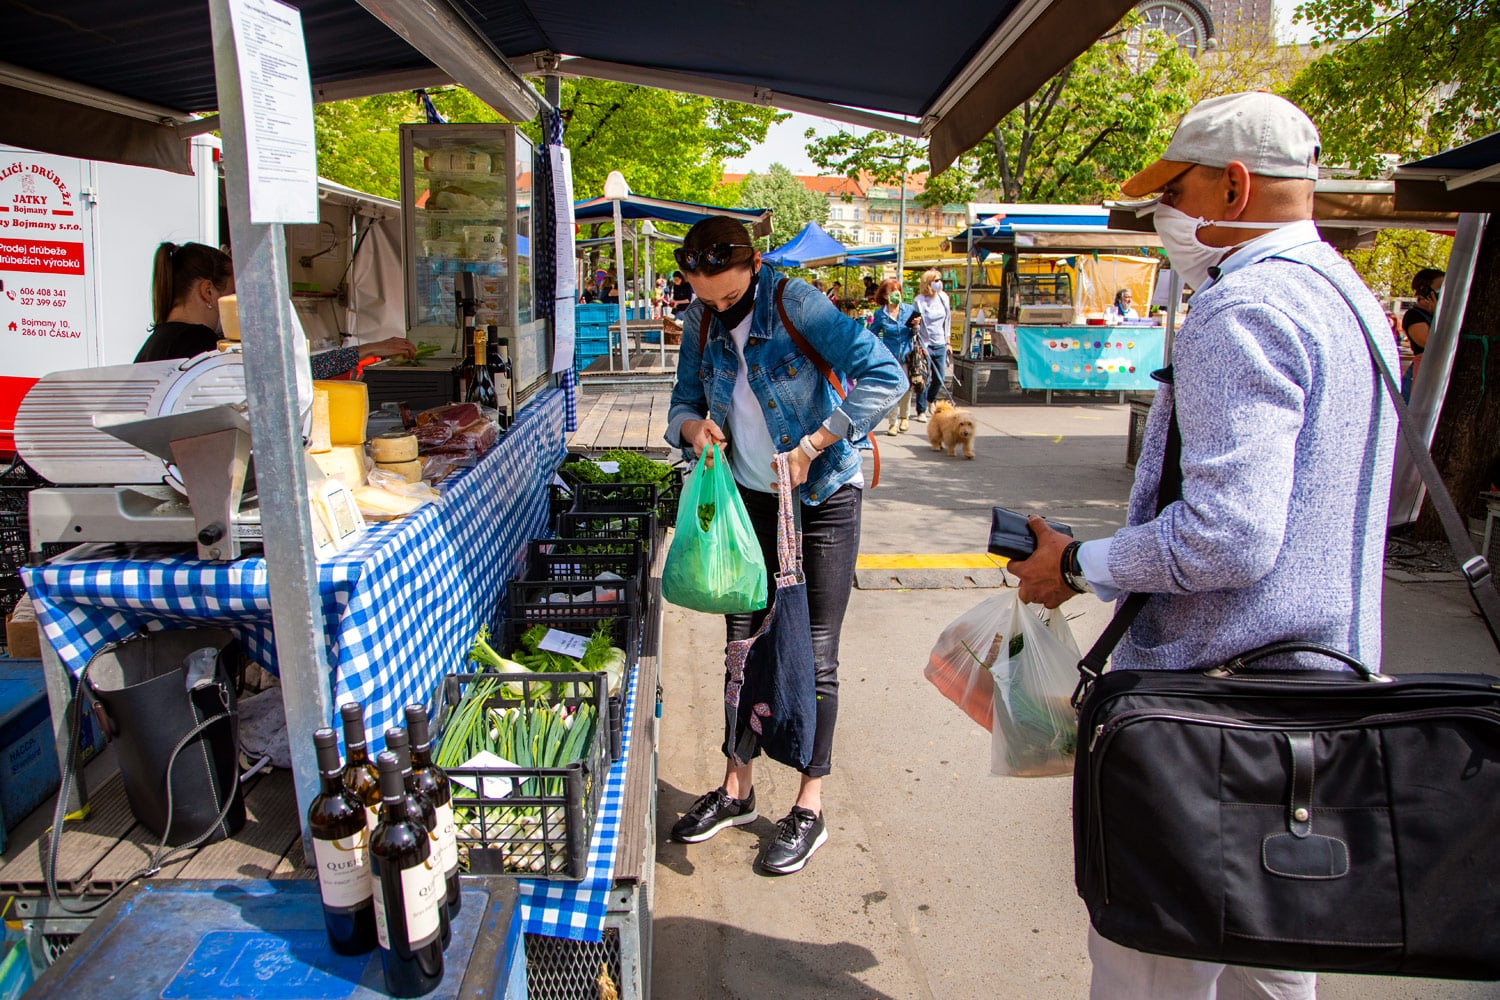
[187, 282]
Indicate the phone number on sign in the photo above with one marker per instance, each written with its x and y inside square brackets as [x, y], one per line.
[41, 296]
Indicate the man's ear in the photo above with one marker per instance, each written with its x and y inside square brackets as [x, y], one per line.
[1235, 186]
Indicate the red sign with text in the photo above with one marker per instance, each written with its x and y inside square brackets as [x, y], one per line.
[41, 256]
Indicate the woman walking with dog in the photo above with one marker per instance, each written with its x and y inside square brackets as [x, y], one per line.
[751, 376]
[934, 333]
[894, 325]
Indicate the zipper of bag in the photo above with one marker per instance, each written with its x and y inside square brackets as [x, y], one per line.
[1105, 732]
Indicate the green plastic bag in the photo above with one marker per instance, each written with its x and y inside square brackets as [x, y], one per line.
[715, 563]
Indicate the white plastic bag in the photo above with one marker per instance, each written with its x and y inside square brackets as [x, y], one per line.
[1012, 668]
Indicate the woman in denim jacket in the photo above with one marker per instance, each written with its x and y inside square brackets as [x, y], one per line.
[752, 389]
[893, 323]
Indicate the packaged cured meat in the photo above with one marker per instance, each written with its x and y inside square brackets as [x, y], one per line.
[454, 414]
[471, 440]
[433, 435]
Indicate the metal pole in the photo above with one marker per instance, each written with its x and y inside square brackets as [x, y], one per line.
[969, 299]
[267, 330]
[901, 230]
[635, 267]
[1174, 295]
[1431, 383]
[620, 289]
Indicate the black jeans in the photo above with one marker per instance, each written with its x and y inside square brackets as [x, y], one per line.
[830, 544]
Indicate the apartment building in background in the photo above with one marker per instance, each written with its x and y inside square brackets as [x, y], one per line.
[864, 212]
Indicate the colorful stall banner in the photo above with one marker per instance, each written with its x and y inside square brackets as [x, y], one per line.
[1103, 358]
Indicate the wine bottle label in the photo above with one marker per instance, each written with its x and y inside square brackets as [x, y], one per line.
[422, 885]
[422, 896]
[372, 817]
[445, 839]
[344, 870]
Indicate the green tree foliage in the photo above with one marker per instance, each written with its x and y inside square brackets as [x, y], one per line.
[792, 205]
[1410, 77]
[668, 145]
[1388, 266]
[1098, 121]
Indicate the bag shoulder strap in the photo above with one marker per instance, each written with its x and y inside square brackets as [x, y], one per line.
[811, 353]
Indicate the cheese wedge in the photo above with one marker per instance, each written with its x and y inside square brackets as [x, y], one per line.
[348, 410]
[377, 503]
[320, 441]
[410, 471]
[346, 464]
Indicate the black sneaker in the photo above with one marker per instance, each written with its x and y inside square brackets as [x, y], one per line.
[798, 835]
[712, 813]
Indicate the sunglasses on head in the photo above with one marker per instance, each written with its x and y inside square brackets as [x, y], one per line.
[717, 255]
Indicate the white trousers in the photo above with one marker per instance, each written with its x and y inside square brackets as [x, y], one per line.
[1122, 973]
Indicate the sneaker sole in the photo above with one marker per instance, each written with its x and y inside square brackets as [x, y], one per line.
[699, 838]
[792, 869]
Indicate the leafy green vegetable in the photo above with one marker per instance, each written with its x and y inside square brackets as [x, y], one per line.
[705, 515]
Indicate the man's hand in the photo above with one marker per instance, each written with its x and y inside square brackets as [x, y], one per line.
[391, 347]
[1041, 575]
[699, 434]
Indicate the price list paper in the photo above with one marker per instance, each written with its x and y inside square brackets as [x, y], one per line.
[567, 267]
[276, 90]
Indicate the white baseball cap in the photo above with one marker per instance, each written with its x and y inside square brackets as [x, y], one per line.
[1268, 134]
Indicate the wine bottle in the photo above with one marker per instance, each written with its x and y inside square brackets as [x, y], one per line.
[341, 848]
[481, 381]
[359, 773]
[422, 809]
[431, 781]
[408, 903]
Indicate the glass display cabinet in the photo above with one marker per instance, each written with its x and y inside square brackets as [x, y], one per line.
[466, 197]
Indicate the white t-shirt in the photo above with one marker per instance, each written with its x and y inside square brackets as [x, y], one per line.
[750, 458]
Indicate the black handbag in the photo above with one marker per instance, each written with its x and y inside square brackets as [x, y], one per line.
[770, 696]
[1317, 821]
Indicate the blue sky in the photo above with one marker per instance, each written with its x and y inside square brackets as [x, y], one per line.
[785, 143]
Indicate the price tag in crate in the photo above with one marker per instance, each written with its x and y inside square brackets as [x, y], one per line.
[563, 643]
[494, 788]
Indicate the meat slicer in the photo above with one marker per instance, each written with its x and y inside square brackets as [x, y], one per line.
[153, 452]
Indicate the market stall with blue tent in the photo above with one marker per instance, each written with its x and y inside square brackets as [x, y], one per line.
[811, 244]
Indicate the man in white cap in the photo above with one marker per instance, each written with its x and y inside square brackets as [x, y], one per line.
[1287, 440]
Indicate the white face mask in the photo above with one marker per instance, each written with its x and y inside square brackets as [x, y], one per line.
[1190, 256]
[937, 286]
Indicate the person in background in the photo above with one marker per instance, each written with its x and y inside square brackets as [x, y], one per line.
[836, 293]
[1122, 310]
[818, 284]
[893, 323]
[608, 293]
[589, 293]
[933, 332]
[1287, 441]
[744, 381]
[1426, 284]
[870, 288]
[187, 282]
[663, 301]
[682, 294]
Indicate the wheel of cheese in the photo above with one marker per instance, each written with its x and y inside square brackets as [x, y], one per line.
[410, 471]
[394, 446]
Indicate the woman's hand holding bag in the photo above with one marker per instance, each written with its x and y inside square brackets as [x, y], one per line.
[715, 563]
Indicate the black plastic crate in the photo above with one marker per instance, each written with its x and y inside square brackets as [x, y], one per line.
[585, 559]
[668, 492]
[530, 822]
[620, 497]
[558, 603]
[610, 524]
[624, 633]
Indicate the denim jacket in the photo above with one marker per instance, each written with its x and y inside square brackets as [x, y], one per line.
[894, 332]
[795, 397]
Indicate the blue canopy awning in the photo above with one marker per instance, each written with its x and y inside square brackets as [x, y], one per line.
[813, 243]
[638, 206]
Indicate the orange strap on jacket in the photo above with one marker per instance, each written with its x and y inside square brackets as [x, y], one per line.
[808, 351]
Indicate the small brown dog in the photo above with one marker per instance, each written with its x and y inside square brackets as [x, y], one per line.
[948, 427]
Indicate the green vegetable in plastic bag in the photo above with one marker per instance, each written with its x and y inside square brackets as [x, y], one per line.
[715, 563]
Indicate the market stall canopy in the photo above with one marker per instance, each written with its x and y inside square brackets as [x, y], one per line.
[636, 206]
[119, 79]
[1004, 228]
[1463, 179]
[1348, 213]
[813, 243]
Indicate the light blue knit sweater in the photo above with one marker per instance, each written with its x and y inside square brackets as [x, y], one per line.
[1288, 440]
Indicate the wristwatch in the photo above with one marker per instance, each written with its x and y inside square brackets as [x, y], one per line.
[1072, 572]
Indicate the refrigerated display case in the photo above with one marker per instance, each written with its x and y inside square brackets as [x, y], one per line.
[466, 197]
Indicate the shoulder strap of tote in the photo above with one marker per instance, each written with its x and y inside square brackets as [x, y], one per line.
[1473, 565]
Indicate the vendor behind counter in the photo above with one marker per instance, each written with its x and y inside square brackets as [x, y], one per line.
[187, 283]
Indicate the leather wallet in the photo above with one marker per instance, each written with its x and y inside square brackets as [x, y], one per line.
[1011, 536]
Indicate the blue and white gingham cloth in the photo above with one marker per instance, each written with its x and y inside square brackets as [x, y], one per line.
[400, 607]
[575, 910]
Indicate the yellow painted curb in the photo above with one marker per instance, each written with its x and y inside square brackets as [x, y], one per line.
[929, 560]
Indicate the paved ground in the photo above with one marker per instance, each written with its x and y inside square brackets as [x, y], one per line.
[938, 881]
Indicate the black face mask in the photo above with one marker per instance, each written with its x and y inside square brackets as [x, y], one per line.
[743, 306]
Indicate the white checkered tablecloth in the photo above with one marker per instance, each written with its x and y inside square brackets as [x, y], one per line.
[400, 607]
[575, 910]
